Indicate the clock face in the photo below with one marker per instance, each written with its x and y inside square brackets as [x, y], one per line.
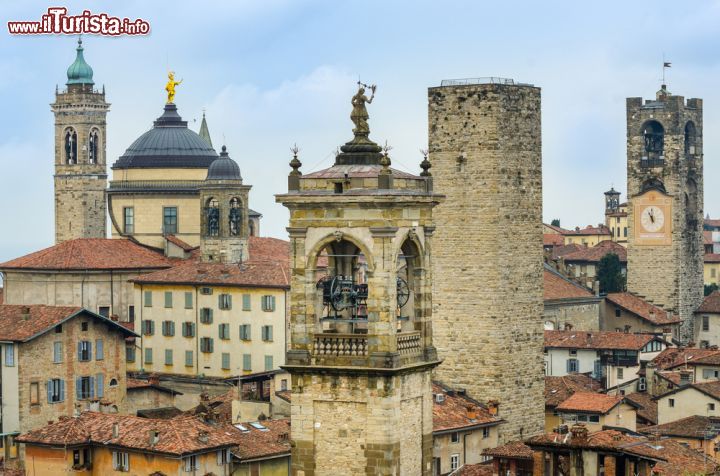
[652, 219]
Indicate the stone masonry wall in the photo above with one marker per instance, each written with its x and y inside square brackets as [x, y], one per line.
[671, 275]
[485, 150]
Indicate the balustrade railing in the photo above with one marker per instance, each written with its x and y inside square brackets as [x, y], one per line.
[409, 343]
[340, 345]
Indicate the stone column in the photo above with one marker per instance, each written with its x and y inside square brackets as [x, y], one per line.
[538, 463]
[609, 465]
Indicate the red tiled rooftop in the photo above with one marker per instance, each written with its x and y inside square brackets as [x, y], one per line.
[478, 469]
[712, 223]
[648, 408]
[21, 323]
[596, 340]
[557, 229]
[455, 412]
[91, 253]
[711, 303]
[590, 402]
[254, 443]
[674, 357]
[511, 450]
[558, 287]
[707, 237]
[712, 258]
[562, 251]
[642, 309]
[589, 230]
[179, 243]
[552, 239]
[696, 426]
[177, 436]
[596, 253]
[559, 389]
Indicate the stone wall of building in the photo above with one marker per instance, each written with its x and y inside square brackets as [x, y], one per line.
[80, 186]
[581, 314]
[485, 150]
[670, 275]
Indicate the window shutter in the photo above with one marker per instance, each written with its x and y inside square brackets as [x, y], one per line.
[189, 358]
[78, 388]
[99, 351]
[270, 333]
[62, 390]
[187, 464]
[226, 360]
[92, 387]
[246, 302]
[210, 342]
[192, 329]
[79, 351]
[272, 303]
[172, 328]
[568, 365]
[219, 457]
[229, 301]
[49, 390]
[188, 300]
[57, 352]
[100, 381]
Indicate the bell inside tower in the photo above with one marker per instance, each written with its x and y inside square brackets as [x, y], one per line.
[654, 136]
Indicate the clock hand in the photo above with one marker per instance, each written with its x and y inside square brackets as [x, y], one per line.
[652, 217]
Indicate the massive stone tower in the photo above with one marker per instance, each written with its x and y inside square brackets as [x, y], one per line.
[665, 195]
[225, 222]
[361, 350]
[80, 173]
[484, 141]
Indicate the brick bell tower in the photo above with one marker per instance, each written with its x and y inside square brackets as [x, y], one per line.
[361, 349]
[80, 172]
[665, 203]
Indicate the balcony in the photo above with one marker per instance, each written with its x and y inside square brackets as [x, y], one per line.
[340, 345]
[409, 343]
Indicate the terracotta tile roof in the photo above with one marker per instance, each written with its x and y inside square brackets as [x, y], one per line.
[556, 229]
[478, 469]
[265, 248]
[220, 406]
[596, 253]
[91, 253]
[673, 458]
[561, 251]
[712, 258]
[557, 287]
[256, 444]
[590, 402]
[711, 303]
[22, 323]
[284, 394]
[163, 413]
[709, 388]
[672, 357]
[707, 238]
[559, 389]
[253, 273]
[180, 243]
[672, 377]
[455, 412]
[712, 223]
[596, 340]
[177, 436]
[355, 171]
[512, 450]
[552, 239]
[642, 309]
[589, 230]
[697, 427]
[647, 407]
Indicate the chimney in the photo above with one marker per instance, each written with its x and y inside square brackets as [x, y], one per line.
[627, 328]
[493, 407]
[204, 397]
[114, 318]
[154, 379]
[650, 378]
[25, 313]
[283, 437]
[116, 430]
[579, 433]
[203, 437]
[471, 412]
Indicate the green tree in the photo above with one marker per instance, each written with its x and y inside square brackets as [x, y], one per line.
[555, 222]
[610, 274]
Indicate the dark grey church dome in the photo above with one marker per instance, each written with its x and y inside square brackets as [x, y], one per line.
[169, 144]
[224, 168]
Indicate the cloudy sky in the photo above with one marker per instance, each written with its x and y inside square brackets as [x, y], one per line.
[273, 73]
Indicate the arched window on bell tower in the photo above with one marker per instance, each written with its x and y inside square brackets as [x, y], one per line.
[93, 147]
[690, 137]
[235, 217]
[212, 213]
[691, 203]
[654, 137]
[70, 144]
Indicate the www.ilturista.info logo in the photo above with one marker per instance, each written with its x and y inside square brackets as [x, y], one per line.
[57, 21]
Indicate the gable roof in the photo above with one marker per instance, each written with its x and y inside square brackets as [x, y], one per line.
[559, 389]
[20, 323]
[552, 239]
[589, 230]
[647, 408]
[91, 254]
[597, 340]
[455, 411]
[177, 436]
[641, 308]
[556, 286]
[711, 303]
[138, 384]
[511, 450]
[696, 427]
[561, 251]
[590, 402]
[672, 357]
[711, 389]
[180, 243]
[595, 253]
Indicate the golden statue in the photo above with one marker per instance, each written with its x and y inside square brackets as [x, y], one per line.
[170, 86]
[359, 114]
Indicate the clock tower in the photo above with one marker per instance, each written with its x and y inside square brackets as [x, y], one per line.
[665, 201]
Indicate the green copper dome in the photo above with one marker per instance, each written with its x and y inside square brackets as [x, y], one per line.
[80, 72]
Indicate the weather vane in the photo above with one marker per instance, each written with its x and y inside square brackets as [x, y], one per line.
[666, 64]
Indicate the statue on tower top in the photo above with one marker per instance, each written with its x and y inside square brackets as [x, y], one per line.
[170, 86]
[359, 114]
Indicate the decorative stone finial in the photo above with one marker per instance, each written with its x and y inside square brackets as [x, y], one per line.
[295, 162]
[170, 87]
[425, 164]
[385, 159]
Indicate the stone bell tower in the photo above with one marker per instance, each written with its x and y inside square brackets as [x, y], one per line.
[361, 349]
[224, 204]
[665, 203]
[80, 171]
[485, 147]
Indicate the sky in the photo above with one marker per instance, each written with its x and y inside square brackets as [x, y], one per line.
[272, 73]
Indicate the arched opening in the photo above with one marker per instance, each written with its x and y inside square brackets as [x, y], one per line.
[691, 203]
[251, 225]
[70, 146]
[212, 217]
[653, 184]
[235, 217]
[409, 271]
[654, 137]
[690, 138]
[113, 382]
[93, 147]
[342, 289]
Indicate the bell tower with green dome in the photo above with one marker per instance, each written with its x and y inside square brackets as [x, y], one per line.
[80, 170]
